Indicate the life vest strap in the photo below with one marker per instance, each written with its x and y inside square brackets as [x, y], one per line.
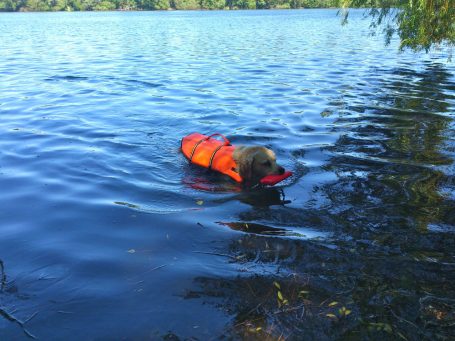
[194, 148]
[226, 141]
[213, 155]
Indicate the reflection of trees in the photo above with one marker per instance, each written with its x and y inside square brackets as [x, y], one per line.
[262, 197]
[385, 265]
[396, 148]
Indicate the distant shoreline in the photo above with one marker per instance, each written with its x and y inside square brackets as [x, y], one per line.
[160, 5]
[176, 9]
[171, 10]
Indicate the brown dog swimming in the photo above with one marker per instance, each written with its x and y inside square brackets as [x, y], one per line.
[255, 163]
[248, 165]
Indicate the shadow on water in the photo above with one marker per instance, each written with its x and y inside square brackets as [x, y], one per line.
[388, 268]
[263, 197]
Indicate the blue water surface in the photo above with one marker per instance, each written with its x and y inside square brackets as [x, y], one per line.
[106, 231]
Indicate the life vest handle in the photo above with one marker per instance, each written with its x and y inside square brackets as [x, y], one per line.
[226, 141]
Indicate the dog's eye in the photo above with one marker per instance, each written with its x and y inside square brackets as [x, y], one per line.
[267, 163]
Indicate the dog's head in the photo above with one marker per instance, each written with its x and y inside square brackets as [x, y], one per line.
[256, 162]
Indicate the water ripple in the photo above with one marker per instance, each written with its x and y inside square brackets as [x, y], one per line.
[101, 215]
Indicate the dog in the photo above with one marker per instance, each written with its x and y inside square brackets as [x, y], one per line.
[255, 162]
[247, 165]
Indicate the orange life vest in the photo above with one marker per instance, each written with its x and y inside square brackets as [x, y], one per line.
[211, 153]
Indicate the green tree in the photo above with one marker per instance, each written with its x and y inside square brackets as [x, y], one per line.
[155, 4]
[420, 24]
[36, 5]
[185, 4]
[7, 6]
[76, 5]
[126, 4]
[279, 4]
[161, 4]
[295, 3]
[59, 5]
[212, 4]
[262, 4]
[104, 6]
[89, 5]
[244, 4]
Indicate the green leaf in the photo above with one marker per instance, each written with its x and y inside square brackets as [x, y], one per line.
[331, 316]
[332, 304]
[280, 296]
[387, 328]
[277, 285]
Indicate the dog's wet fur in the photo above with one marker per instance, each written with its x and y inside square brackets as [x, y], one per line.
[255, 162]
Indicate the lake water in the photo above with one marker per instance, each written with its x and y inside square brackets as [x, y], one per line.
[106, 231]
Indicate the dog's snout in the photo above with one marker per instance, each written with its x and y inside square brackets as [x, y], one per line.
[281, 170]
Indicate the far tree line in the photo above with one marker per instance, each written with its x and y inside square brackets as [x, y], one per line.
[128, 5]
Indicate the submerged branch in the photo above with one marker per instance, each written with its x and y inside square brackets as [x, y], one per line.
[2, 276]
[12, 318]
[216, 254]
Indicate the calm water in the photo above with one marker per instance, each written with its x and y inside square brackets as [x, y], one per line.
[106, 232]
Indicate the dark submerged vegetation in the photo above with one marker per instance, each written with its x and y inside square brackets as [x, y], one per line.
[387, 272]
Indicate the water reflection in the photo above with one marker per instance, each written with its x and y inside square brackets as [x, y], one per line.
[386, 273]
[391, 161]
[260, 197]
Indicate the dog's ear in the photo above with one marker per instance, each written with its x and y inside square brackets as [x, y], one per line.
[246, 166]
